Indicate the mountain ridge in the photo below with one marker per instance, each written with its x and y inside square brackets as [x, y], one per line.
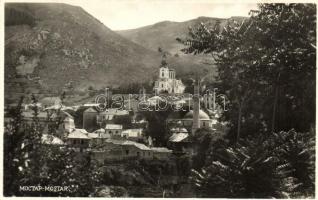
[163, 34]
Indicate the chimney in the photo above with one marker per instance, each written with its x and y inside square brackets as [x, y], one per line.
[196, 107]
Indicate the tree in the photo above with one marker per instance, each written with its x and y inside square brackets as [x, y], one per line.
[266, 62]
[266, 68]
[30, 162]
[125, 120]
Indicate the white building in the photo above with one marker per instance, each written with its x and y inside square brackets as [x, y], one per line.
[167, 82]
[114, 129]
[132, 134]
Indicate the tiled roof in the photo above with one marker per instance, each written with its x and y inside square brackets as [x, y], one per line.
[161, 149]
[129, 143]
[179, 130]
[178, 137]
[138, 145]
[78, 134]
[113, 126]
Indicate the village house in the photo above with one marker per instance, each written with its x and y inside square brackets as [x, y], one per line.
[161, 153]
[179, 141]
[133, 134]
[118, 150]
[114, 130]
[78, 138]
[109, 115]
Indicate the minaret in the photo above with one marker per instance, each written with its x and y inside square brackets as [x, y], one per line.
[196, 107]
[108, 95]
[208, 100]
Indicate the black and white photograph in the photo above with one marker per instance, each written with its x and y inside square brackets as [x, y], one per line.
[158, 99]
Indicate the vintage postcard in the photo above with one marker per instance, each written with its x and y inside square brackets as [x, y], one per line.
[158, 99]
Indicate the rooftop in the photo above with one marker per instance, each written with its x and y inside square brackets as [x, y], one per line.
[78, 134]
[178, 137]
[91, 110]
[113, 126]
[161, 149]
[30, 114]
[129, 143]
[133, 132]
[114, 111]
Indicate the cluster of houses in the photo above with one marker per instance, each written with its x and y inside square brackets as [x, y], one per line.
[116, 134]
[99, 134]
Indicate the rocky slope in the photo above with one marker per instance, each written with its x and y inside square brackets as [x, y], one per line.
[50, 46]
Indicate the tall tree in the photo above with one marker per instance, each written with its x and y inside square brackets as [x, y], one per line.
[266, 62]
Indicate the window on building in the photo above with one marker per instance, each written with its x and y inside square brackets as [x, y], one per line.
[161, 85]
[82, 141]
[116, 132]
[127, 152]
[138, 153]
[203, 123]
[144, 154]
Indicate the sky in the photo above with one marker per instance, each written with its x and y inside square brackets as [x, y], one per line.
[129, 14]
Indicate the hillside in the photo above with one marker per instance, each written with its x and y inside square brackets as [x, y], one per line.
[164, 34]
[51, 46]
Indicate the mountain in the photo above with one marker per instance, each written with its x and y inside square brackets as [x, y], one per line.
[164, 34]
[51, 46]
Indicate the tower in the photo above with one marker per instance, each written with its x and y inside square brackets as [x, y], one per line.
[196, 106]
[208, 100]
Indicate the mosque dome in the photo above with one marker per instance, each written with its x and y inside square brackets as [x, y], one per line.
[202, 115]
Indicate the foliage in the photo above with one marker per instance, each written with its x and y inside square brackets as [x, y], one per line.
[125, 120]
[157, 127]
[266, 68]
[270, 62]
[278, 166]
[29, 162]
